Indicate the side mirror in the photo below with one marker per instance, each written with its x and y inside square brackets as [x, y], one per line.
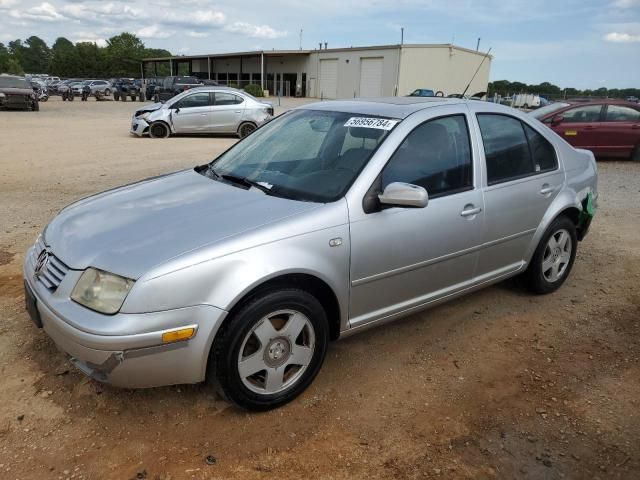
[400, 194]
[557, 120]
[178, 110]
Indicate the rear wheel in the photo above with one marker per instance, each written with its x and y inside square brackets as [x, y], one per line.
[107, 91]
[554, 257]
[271, 350]
[158, 130]
[246, 129]
[35, 106]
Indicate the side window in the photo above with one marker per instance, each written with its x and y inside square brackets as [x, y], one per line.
[619, 113]
[505, 148]
[543, 153]
[195, 100]
[436, 155]
[586, 114]
[223, 98]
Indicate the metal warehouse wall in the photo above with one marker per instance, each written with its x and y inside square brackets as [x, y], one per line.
[348, 64]
[441, 68]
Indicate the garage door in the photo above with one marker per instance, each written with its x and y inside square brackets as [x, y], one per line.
[329, 78]
[371, 77]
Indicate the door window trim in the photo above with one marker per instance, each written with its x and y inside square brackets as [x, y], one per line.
[370, 197]
[606, 109]
[517, 177]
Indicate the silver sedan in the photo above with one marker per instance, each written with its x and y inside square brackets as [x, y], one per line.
[213, 110]
[328, 220]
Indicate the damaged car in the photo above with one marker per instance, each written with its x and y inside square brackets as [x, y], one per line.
[203, 110]
[16, 93]
[331, 218]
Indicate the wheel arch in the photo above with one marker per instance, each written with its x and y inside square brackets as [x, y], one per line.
[567, 203]
[311, 284]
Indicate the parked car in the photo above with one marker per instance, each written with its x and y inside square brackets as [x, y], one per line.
[332, 218]
[607, 127]
[17, 93]
[218, 110]
[422, 92]
[172, 86]
[64, 86]
[102, 86]
[633, 99]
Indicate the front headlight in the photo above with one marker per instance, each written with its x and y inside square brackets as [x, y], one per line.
[101, 291]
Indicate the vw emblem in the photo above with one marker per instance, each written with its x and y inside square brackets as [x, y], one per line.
[41, 263]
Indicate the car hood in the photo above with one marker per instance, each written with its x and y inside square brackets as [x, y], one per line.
[150, 108]
[133, 228]
[16, 91]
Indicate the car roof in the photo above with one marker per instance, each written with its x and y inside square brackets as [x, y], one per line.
[392, 107]
[590, 101]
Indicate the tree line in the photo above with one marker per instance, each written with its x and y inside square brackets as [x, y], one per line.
[120, 57]
[548, 90]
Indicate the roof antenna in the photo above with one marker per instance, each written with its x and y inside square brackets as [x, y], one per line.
[477, 70]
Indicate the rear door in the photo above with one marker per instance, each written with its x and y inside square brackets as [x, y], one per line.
[192, 114]
[522, 179]
[580, 126]
[620, 130]
[228, 109]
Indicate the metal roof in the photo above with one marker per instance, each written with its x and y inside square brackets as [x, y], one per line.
[308, 52]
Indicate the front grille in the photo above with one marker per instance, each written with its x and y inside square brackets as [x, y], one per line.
[52, 270]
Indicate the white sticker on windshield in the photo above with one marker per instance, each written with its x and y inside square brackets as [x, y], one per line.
[364, 122]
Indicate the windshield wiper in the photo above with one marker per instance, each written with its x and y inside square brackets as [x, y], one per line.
[238, 180]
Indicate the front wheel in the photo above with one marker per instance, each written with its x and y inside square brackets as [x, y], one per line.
[271, 350]
[158, 130]
[107, 92]
[554, 257]
[35, 106]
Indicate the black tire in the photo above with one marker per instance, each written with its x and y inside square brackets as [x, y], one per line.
[35, 106]
[535, 276]
[123, 97]
[635, 156]
[116, 95]
[226, 350]
[159, 130]
[141, 97]
[71, 96]
[246, 129]
[107, 92]
[526, 106]
[64, 97]
[156, 98]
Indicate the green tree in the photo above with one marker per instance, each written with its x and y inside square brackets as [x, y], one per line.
[64, 61]
[124, 53]
[35, 55]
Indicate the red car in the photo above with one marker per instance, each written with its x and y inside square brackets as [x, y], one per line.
[609, 128]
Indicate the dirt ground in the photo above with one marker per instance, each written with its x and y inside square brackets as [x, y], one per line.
[499, 384]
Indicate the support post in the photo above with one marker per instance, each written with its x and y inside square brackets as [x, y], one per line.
[262, 70]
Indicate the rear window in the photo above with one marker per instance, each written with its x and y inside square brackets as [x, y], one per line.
[544, 111]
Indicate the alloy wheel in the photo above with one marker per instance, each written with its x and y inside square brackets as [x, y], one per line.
[276, 352]
[557, 256]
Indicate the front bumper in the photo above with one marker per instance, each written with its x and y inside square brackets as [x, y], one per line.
[131, 359]
[139, 126]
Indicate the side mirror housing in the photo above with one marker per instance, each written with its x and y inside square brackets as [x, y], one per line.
[400, 194]
[557, 120]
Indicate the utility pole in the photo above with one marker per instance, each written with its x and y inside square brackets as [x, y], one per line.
[401, 35]
[478, 44]
[300, 39]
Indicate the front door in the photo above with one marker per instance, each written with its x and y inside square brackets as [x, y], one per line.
[228, 109]
[192, 114]
[523, 178]
[402, 258]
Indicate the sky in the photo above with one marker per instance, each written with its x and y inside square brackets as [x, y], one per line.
[571, 43]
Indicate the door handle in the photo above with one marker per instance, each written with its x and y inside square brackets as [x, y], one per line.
[590, 127]
[546, 189]
[470, 210]
[238, 111]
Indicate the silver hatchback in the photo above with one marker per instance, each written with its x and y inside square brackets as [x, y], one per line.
[202, 110]
[330, 219]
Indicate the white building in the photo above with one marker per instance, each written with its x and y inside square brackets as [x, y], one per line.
[377, 71]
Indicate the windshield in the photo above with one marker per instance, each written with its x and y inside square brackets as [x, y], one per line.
[305, 155]
[546, 110]
[13, 82]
